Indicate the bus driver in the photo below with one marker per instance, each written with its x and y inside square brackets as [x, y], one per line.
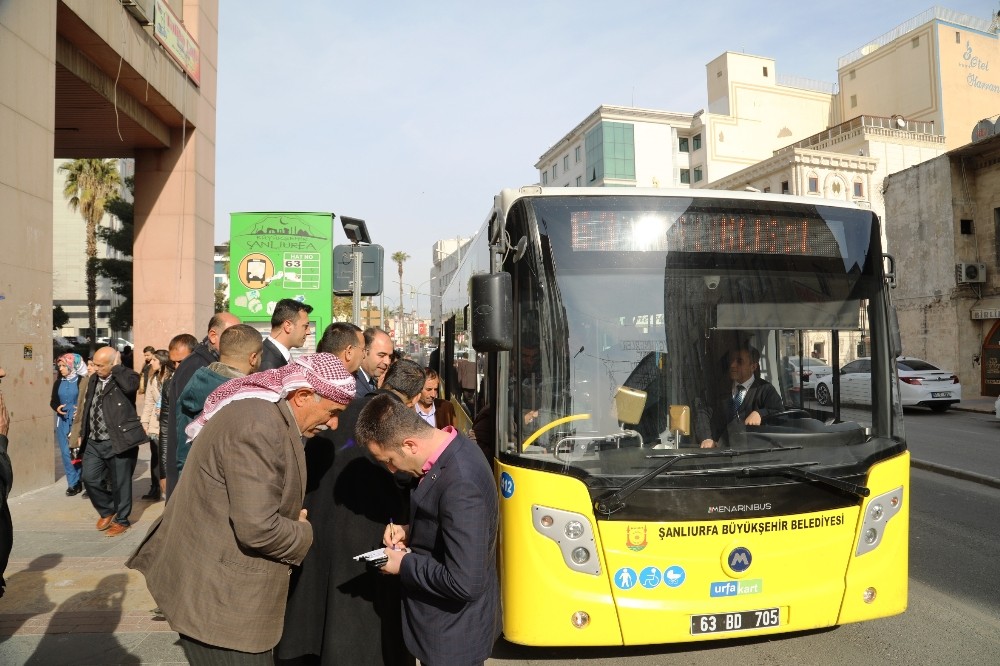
[748, 400]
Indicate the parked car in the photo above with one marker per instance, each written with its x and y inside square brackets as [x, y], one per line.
[996, 408]
[117, 343]
[920, 383]
[803, 378]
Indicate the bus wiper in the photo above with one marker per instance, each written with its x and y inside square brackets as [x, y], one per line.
[858, 491]
[796, 470]
[616, 500]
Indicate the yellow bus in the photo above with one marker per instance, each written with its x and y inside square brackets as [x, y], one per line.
[590, 335]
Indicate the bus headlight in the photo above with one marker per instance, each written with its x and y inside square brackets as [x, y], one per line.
[573, 533]
[877, 515]
[573, 529]
[580, 619]
[869, 595]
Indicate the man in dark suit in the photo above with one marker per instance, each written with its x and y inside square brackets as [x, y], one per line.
[437, 412]
[203, 355]
[289, 328]
[446, 555]
[747, 399]
[378, 350]
[111, 433]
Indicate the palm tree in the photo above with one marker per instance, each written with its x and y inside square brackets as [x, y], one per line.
[399, 258]
[90, 184]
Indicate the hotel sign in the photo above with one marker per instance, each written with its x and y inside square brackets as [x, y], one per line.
[176, 40]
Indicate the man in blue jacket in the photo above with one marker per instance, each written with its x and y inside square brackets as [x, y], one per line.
[445, 555]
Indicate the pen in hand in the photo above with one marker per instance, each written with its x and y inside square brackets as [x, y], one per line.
[392, 533]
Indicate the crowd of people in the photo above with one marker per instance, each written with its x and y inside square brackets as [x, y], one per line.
[276, 471]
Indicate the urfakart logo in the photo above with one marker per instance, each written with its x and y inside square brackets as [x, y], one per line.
[739, 508]
[730, 588]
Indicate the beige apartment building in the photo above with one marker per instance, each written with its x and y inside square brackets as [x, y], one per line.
[102, 79]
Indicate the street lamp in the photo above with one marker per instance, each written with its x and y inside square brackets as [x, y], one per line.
[357, 232]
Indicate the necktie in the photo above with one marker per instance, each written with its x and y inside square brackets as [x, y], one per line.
[373, 383]
[738, 399]
[98, 426]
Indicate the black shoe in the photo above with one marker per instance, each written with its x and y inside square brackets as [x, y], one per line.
[84, 493]
[74, 490]
[153, 495]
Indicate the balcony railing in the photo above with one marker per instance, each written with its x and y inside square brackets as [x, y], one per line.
[878, 124]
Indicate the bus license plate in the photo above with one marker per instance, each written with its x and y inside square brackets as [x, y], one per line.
[941, 394]
[743, 621]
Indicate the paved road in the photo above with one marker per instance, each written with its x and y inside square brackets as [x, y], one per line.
[968, 441]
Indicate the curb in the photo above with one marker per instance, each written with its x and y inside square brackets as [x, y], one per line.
[956, 473]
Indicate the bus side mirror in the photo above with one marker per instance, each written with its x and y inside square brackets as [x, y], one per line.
[492, 312]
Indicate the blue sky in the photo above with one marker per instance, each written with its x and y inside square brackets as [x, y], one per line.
[413, 115]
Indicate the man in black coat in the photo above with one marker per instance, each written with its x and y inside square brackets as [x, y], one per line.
[203, 355]
[746, 400]
[110, 433]
[336, 608]
[445, 554]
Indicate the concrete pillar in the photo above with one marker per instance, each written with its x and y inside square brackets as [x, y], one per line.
[173, 283]
[27, 98]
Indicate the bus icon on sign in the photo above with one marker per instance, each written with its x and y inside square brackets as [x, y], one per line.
[740, 559]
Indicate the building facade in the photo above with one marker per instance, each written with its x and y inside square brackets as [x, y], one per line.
[948, 294]
[940, 67]
[447, 257]
[102, 79]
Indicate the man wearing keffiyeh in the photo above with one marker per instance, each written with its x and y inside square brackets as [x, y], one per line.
[217, 561]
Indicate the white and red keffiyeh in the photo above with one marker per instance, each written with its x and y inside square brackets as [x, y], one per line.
[323, 373]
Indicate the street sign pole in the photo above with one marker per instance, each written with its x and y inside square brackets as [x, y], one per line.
[356, 283]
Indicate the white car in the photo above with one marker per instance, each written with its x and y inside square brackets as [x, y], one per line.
[805, 379]
[996, 407]
[920, 383]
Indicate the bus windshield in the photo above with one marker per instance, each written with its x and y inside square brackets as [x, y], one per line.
[638, 317]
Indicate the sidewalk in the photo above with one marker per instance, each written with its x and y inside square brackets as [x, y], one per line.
[985, 405]
[70, 599]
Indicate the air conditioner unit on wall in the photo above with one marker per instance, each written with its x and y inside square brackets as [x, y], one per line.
[970, 273]
[141, 10]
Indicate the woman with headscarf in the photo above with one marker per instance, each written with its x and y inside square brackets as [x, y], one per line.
[65, 391]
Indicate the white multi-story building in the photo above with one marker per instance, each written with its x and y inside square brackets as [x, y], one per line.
[69, 259]
[448, 254]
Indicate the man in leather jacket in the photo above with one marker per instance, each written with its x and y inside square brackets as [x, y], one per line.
[111, 433]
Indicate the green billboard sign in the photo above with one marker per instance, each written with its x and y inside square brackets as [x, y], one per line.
[281, 255]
